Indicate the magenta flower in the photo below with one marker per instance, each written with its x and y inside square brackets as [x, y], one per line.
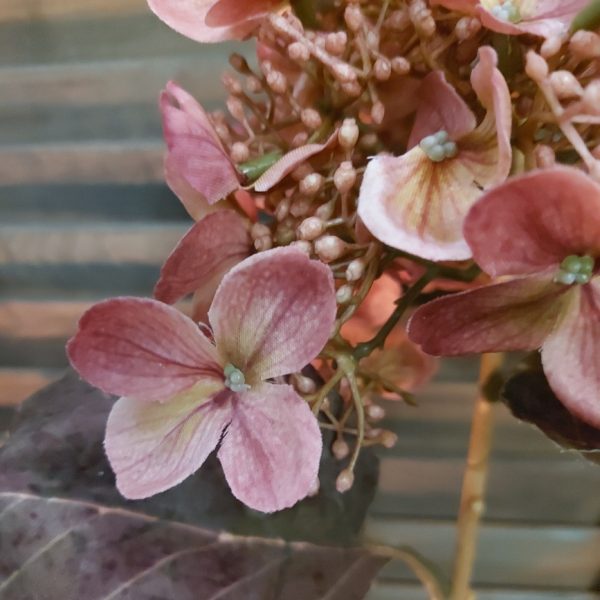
[182, 396]
[541, 234]
[545, 18]
[213, 20]
[417, 202]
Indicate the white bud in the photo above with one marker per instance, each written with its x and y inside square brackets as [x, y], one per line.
[311, 184]
[298, 52]
[565, 85]
[585, 44]
[353, 17]
[356, 269]
[239, 152]
[305, 385]
[382, 69]
[263, 243]
[536, 66]
[311, 228]
[302, 246]
[591, 97]
[344, 177]
[378, 113]
[335, 43]
[277, 81]
[330, 248]
[344, 481]
[340, 449]
[348, 134]
[344, 294]
[375, 412]
[259, 230]
[400, 65]
[311, 118]
[551, 46]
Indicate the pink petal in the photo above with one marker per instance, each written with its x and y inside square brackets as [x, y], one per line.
[207, 251]
[416, 205]
[534, 221]
[287, 163]
[196, 20]
[273, 313]
[514, 315]
[492, 90]
[440, 108]
[570, 354]
[271, 451]
[142, 349]
[153, 447]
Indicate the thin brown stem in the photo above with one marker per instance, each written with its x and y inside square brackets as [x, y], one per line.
[474, 484]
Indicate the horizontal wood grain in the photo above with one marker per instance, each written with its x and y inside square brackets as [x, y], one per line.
[18, 384]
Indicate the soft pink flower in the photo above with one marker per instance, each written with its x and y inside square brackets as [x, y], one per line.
[213, 20]
[417, 202]
[541, 234]
[182, 396]
[546, 18]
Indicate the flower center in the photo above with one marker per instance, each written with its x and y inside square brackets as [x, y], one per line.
[438, 146]
[507, 11]
[575, 269]
[234, 379]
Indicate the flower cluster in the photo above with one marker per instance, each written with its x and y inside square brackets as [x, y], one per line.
[374, 154]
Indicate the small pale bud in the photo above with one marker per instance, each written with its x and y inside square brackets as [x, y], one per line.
[344, 481]
[565, 85]
[375, 412]
[353, 17]
[298, 52]
[277, 81]
[585, 44]
[311, 228]
[231, 84]
[591, 97]
[253, 84]
[311, 118]
[330, 248]
[239, 152]
[283, 209]
[340, 449]
[311, 184]
[335, 43]
[352, 89]
[305, 385]
[222, 131]
[348, 134]
[263, 243]
[378, 113]
[382, 69]
[300, 139]
[466, 28]
[398, 19]
[325, 211]
[344, 177]
[259, 230]
[388, 439]
[300, 207]
[551, 46]
[343, 72]
[356, 269]
[343, 294]
[303, 246]
[544, 156]
[236, 108]
[536, 66]
[400, 65]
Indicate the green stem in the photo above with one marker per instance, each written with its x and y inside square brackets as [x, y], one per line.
[363, 349]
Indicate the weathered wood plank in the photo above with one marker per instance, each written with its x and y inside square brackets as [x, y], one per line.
[552, 558]
[148, 244]
[18, 384]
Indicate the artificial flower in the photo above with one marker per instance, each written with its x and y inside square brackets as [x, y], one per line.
[182, 396]
[540, 233]
[417, 202]
[545, 18]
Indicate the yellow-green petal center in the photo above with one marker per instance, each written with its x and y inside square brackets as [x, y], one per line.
[235, 379]
[575, 269]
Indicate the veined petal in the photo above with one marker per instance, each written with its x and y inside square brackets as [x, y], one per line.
[142, 349]
[273, 313]
[272, 448]
[206, 252]
[513, 315]
[195, 18]
[570, 355]
[416, 205]
[440, 108]
[534, 221]
[153, 447]
[287, 163]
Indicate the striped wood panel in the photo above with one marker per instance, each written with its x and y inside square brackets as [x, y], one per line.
[84, 215]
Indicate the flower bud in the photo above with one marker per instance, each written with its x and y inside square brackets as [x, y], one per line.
[283, 209]
[311, 118]
[311, 184]
[344, 177]
[343, 72]
[591, 97]
[325, 211]
[236, 108]
[263, 243]
[536, 66]
[356, 269]
[259, 230]
[340, 449]
[378, 113]
[352, 89]
[303, 246]
[330, 248]
[298, 52]
[388, 439]
[344, 481]
[353, 17]
[231, 84]
[311, 228]
[565, 85]
[382, 69]
[344, 294]
[305, 385]
[544, 156]
[400, 65]
[585, 44]
[348, 134]
[335, 43]
[300, 139]
[375, 412]
[253, 84]
[551, 46]
[277, 81]
[398, 20]
[239, 152]
[300, 207]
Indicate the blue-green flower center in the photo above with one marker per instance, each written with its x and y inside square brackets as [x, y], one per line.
[507, 11]
[438, 146]
[235, 379]
[575, 269]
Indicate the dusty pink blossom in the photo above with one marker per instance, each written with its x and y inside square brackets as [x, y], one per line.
[545, 18]
[182, 396]
[417, 202]
[197, 265]
[540, 233]
[213, 20]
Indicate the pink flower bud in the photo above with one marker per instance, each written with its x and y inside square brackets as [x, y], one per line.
[300, 207]
[378, 113]
[536, 66]
[375, 412]
[303, 246]
[311, 228]
[551, 46]
[222, 131]
[343, 72]
[325, 210]
[330, 248]
[277, 81]
[311, 184]
[353, 17]
[344, 294]
[239, 152]
[565, 85]
[591, 97]
[253, 84]
[231, 84]
[356, 269]
[344, 177]
[311, 118]
[348, 134]
[340, 449]
[263, 243]
[544, 156]
[352, 89]
[344, 481]
[298, 52]
[466, 28]
[382, 69]
[259, 230]
[585, 44]
[400, 65]
[236, 108]
[335, 43]
[398, 19]
[300, 139]
[305, 385]
[388, 439]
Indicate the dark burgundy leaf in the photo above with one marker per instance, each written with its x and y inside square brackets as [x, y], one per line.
[530, 398]
[71, 550]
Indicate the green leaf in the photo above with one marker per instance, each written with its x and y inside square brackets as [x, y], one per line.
[253, 169]
[588, 18]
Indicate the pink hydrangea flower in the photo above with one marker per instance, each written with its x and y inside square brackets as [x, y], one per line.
[545, 18]
[213, 20]
[540, 233]
[183, 395]
[417, 202]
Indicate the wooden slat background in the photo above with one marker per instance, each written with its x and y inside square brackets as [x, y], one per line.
[84, 215]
